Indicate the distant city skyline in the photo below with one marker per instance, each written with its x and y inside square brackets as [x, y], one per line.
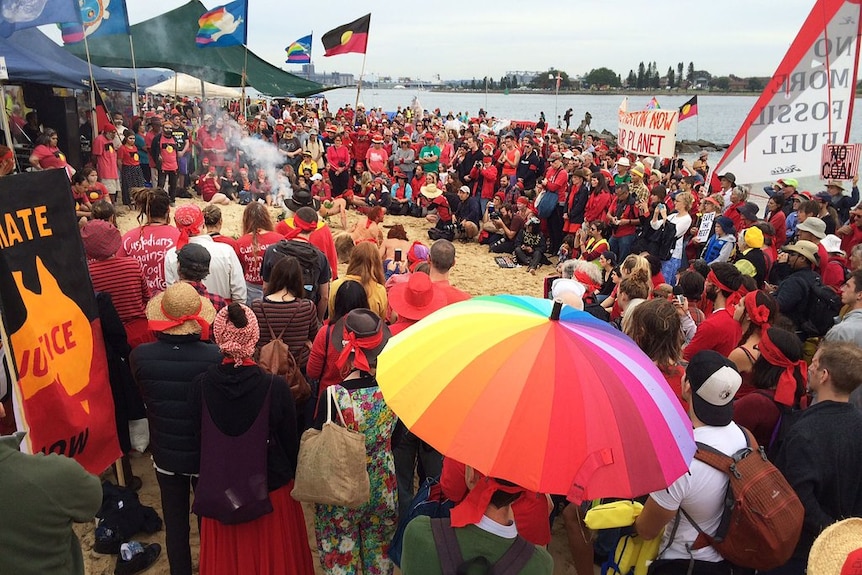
[462, 40]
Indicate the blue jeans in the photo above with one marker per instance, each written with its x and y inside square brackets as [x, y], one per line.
[621, 246]
[669, 269]
[254, 292]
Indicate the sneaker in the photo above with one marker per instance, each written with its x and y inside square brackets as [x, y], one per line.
[139, 562]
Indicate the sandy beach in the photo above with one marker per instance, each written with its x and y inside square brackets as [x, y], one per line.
[475, 272]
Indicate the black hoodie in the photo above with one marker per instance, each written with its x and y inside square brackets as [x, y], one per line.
[235, 396]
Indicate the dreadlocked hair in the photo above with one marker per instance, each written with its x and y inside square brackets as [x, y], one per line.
[151, 202]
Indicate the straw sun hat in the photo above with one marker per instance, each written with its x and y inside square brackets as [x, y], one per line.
[180, 301]
[838, 549]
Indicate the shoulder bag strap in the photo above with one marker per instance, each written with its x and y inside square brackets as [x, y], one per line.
[331, 399]
[447, 546]
[328, 329]
[515, 558]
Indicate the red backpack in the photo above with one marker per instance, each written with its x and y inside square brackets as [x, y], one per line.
[762, 517]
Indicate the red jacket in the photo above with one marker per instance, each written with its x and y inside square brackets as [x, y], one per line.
[489, 180]
[597, 206]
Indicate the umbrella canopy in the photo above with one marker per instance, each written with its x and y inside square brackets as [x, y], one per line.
[568, 406]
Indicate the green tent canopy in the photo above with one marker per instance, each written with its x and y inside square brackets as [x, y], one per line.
[168, 41]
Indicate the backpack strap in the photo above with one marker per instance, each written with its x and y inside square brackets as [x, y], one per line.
[447, 546]
[515, 558]
[266, 319]
[724, 463]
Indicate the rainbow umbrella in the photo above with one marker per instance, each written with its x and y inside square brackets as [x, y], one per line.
[540, 394]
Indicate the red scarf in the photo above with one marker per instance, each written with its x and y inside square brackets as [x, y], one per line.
[358, 345]
[170, 322]
[785, 391]
[300, 226]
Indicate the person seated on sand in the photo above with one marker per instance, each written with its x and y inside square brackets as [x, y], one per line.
[261, 188]
[429, 192]
[81, 194]
[244, 186]
[228, 184]
[209, 187]
[368, 230]
[329, 206]
[396, 239]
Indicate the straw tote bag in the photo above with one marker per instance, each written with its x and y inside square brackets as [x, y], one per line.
[332, 466]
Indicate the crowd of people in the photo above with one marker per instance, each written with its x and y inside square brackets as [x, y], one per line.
[726, 299]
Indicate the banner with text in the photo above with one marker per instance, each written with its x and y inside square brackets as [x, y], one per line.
[62, 397]
[807, 103]
[840, 161]
[648, 132]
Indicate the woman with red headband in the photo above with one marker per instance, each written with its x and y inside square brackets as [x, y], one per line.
[356, 540]
[780, 377]
[756, 314]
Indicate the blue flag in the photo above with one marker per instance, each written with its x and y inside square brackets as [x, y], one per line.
[223, 26]
[100, 18]
[17, 15]
[300, 51]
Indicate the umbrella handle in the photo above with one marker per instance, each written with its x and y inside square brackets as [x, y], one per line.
[555, 311]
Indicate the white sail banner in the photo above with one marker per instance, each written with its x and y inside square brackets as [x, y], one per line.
[807, 103]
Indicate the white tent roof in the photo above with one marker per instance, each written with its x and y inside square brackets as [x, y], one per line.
[185, 85]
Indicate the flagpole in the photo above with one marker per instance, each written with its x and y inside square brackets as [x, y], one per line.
[359, 84]
[94, 119]
[244, 69]
[135, 72]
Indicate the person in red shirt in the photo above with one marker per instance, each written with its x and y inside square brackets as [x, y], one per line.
[719, 332]
[258, 234]
[599, 199]
[624, 217]
[163, 155]
[46, 155]
[338, 160]
[441, 257]
[106, 160]
[376, 157]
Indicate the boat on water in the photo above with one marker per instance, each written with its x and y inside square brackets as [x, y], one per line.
[807, 103]
[398, 87]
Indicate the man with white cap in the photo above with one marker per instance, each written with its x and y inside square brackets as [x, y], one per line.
[622, 176]
[709, 385]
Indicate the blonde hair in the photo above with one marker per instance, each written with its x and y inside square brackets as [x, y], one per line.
[365, 263]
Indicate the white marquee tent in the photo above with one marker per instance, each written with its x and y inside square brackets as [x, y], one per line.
[185, 85]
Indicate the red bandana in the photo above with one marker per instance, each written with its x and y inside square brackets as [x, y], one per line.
[162, 325]
[785, 391]
[473, 507]
[354, 344]
[299, 226]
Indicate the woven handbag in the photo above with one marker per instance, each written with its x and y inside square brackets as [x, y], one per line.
[332, 467]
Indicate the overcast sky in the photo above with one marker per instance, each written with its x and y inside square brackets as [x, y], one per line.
[463, 39]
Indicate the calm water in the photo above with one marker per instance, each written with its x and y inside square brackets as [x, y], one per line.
[718, 119]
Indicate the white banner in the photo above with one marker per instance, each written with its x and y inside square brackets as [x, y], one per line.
[648, 132]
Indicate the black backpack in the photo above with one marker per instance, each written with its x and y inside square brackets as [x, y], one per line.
[666, 241]
[452, 561]
[309, 261]
[824, 305]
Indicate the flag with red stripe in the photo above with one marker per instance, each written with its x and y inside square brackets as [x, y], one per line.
[352, 37]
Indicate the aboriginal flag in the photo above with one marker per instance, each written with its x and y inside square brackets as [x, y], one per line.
[352, 37]
[688, 109]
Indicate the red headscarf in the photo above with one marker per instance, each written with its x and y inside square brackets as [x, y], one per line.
[785, 391]
[473, 507]
[300, 226]
[758, 314]
[190, 222]
[358, 345]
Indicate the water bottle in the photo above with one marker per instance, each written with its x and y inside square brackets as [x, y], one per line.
[130, 549]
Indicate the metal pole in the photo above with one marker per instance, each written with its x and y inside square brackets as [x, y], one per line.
[359, 84]
[94, 118]
[135, 72]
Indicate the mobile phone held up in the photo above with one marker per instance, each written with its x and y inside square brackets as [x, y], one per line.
[397, 255]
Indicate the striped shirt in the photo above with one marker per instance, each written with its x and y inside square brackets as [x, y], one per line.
[298, 319]
[123, 278]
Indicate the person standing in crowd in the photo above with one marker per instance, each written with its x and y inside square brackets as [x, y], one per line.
[793, 293]
[709, 385]
[257, 235]
[755, 313]
[285, 310]
[681, 219]
[225, 277]
[119, 275]
[779, 379]
[164, 371]
[140, 131]
[623, 216]
[105, 153]
[365, 267]
[849, 329]
[47, 156]
[719, 332]
[338, 160]
[356, 540]
[193, 265]
[823, 449]
[149, 242]
[242, 413]
[131, 176]
[163, 156]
